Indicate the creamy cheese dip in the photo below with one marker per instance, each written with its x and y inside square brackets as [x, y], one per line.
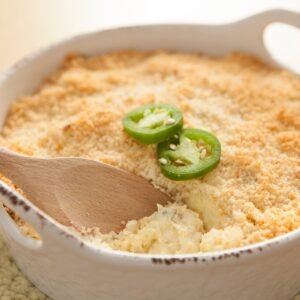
[253, 109]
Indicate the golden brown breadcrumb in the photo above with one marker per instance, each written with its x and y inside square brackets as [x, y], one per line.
[254, 110]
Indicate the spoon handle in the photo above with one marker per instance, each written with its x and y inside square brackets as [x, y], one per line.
[37, 178]
[12, 164]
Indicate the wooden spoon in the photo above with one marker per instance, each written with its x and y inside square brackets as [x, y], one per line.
[82, 192]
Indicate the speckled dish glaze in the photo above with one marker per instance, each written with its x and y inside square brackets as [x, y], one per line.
[65, 267]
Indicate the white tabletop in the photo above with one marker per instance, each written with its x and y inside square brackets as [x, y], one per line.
[26, 25]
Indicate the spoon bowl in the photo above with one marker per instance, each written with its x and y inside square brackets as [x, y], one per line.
[80, 192]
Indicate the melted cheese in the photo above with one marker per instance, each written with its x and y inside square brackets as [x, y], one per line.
[254, 110]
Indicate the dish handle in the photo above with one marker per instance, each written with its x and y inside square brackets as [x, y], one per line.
[250, 31]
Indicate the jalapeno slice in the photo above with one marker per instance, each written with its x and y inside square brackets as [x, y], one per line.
[192, 154]
[153, 123]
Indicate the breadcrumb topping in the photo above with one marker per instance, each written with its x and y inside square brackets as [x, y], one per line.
[253, 109]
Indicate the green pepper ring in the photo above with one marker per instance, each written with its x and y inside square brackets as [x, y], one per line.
[191, 171]
[152, 135]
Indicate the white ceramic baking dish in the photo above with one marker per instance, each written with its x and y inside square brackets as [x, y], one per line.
[65, 267]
